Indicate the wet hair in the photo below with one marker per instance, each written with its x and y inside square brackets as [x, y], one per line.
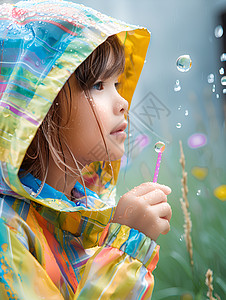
[105, 61]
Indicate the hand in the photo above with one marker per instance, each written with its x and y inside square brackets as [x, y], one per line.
[145, 208]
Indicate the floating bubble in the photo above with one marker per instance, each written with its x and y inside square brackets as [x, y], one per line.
[181, 238]
[198, 193]
[218, 31]
[223, 80]
[220, 192]
[197, 140]
[178, 125]
[160, 147]
[221, 71]
[199, 172]
[179, 107]
[213, 88]
[224, 91]
[186, 112]
[217, 96]
[177, 86]
[223, 57]
[184, 63]
[210, 78]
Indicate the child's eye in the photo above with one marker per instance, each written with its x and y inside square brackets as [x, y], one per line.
[98, 86]
[117, 85]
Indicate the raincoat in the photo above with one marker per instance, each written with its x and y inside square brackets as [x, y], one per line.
[51, 247]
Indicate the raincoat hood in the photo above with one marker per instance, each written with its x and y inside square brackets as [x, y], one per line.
[41, 45]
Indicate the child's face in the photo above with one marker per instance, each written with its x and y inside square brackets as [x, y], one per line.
[82, 133]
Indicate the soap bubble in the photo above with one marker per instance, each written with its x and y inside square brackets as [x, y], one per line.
[159, 147]
[223, 57]
[210, 78]
[184, 63]
[177, 86]
[197, 140]
[218, 31]
[178, 125]
[221, 71]
[223, 80]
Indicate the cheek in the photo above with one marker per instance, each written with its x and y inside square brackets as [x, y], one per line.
[104, 117]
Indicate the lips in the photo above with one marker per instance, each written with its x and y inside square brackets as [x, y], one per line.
[119, 128]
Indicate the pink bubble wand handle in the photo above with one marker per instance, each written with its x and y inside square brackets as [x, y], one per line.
[159, 148]
[157, 167]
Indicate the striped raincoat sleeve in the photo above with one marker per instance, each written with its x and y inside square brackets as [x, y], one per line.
[121, 268]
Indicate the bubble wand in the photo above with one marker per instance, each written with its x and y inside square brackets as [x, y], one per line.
[159, 148]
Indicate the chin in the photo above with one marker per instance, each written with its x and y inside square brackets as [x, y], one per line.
[117, 155]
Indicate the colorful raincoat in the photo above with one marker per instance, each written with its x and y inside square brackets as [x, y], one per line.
[51, 247]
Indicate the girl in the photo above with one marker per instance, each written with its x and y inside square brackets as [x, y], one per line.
[67, 75]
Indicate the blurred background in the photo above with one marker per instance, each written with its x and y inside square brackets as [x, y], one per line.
[181, 95]
[171, 105]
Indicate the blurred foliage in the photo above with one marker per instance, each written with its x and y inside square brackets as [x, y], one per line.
[174, 277]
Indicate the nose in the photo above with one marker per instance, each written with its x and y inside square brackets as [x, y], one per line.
[121, 105]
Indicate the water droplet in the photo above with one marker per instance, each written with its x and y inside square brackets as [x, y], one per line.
[223, 57]
[221, 71]
[177, 86]
[218, 31]
[5, 115]
[217, 96]
[224, 91]
[198, 193]
[160, 147]
[178, 125]
[186, 112]
[210, 78]
[223, 80]
[181, 238]
[213, 88]
[27, 37]
[184, 63]
[179, 108]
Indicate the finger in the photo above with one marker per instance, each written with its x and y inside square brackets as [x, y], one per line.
[155, 197]
[162, 210]
[165, 211]
[165, 226]
[147, 187]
